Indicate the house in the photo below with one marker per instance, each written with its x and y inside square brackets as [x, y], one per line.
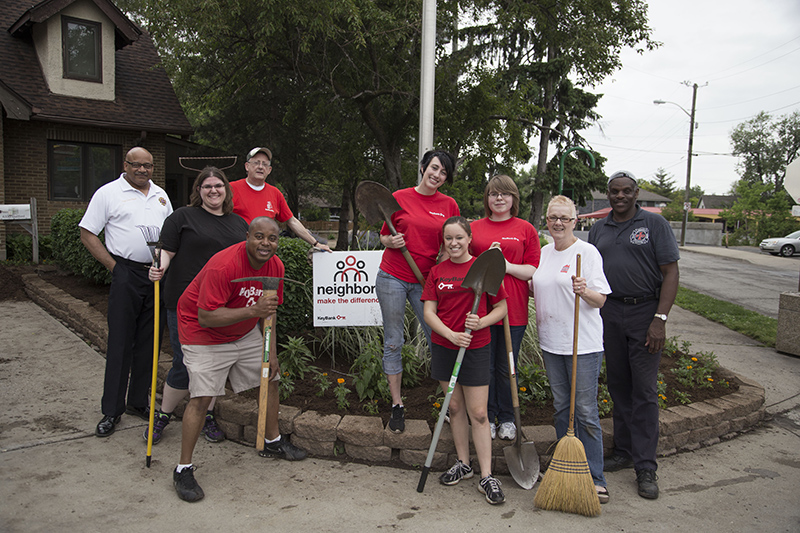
[717, 201]
[80, 85]
[600, 201]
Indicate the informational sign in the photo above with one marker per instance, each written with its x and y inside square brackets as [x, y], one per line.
[15, 212]
[344, 289]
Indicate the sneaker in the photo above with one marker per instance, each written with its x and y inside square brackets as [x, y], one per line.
[493, 430]
[617, 462]
[507, 431]
[160, 421]
[456, 473]
[490, 487]
[647, 479]
[283, 449]
[447, 416]
[185, 485]
[211, 430]
[602, 493]
[398, 421]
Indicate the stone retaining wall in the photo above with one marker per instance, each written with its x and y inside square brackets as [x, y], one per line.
[682, 428]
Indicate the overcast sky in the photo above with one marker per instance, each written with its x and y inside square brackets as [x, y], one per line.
[749, 54]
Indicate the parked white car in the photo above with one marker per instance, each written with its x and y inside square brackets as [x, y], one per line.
[785, 246]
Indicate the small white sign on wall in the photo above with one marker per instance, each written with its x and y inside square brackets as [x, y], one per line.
[344, 289]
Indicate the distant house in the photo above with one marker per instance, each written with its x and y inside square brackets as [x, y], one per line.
[80, 84]
[716, 201]
[599, 201]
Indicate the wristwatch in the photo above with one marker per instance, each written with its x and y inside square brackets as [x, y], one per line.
[661, 316]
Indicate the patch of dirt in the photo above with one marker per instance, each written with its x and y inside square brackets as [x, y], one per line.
[418, 400]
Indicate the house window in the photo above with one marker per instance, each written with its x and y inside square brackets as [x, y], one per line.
[82, 49]
[77, 170]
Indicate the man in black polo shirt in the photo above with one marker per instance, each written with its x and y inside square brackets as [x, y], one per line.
[640, 260]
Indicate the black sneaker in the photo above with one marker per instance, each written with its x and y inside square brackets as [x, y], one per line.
[211, 431]
[283, 449]
[160, 421]
[617, 462]
[398, 421]
[490, 487]
[647, 479]
[456, 473]
[185, 485]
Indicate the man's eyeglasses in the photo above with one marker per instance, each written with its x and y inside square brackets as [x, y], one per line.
[500, 194]
[264, 164]
[137, 166]
[215, 186]
[564, 220]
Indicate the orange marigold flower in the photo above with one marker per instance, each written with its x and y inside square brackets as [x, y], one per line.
[340, 380]
[437, 405]
[324, 373]
[694, 359]
[689, 367]
[710, 379]
[522, 389]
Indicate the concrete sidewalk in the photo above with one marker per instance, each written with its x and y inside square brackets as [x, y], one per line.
[55, 475]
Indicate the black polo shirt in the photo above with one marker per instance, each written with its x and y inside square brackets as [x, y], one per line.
[633, 251]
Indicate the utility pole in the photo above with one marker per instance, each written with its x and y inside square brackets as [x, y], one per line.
[686, 204]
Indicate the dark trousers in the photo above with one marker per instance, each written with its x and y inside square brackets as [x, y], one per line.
[130, 339]
[632, 374]
[500, 405]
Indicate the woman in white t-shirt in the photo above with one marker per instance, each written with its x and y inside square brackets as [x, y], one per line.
[554, 287]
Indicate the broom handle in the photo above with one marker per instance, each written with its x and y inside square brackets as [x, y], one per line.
[570, 429]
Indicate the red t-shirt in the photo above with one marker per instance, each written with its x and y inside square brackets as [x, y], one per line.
[420, 221]
[268, 202]
[212, 289]
[454, 301]
[519, 243]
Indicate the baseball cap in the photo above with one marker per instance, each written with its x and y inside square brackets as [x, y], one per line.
[622, 174]
[258, 149]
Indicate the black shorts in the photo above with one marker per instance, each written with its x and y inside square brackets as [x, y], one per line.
[474, 368]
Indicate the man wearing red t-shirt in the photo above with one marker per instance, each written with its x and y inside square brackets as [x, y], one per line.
[254, 197]
[218, 327]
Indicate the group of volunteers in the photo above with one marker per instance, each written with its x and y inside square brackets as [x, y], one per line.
[627, 282]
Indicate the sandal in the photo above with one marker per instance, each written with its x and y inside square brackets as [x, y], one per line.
[602, 493]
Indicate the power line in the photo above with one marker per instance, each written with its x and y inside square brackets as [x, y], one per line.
[753, 99]
[748, 118]
[757, 66]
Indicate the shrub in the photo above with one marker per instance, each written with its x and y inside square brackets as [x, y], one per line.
[19, 248]
[68, 250]
[294, 315]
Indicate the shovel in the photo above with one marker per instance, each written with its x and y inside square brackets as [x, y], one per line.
[485, 275]
[522, 458]
[378, 204]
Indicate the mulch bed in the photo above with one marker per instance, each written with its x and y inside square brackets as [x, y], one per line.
[418, 400]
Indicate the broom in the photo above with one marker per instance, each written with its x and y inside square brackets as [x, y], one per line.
[567, 485]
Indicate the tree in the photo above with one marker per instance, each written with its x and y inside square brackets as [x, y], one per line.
[765, 147]
[758, 213]
[663, 184]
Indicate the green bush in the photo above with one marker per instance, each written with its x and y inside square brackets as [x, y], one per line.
[294, 316]
[19, 248]
[68, 250]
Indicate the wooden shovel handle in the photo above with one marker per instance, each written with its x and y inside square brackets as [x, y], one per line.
[269, 347]
[405, 252]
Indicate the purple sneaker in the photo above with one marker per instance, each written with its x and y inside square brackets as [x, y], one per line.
[160, 421]
[211, 430]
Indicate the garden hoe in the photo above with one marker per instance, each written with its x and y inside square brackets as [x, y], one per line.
[522, 458]
[270, 288]
[485, 275]
[378, 204]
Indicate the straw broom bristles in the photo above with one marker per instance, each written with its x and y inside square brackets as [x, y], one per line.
[567, 485]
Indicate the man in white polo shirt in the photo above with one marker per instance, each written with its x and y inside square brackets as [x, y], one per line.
[118, 207]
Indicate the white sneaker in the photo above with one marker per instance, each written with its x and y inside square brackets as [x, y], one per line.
[507, 431]
[493, 430]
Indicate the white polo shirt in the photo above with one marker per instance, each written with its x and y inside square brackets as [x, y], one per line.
[118, 207]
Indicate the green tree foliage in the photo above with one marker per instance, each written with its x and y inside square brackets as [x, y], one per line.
[662, 184]
[765, 147]
[758, 214]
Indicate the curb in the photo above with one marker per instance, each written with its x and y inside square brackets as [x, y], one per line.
[363, 438]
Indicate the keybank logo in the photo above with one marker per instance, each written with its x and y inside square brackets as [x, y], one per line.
[350, 267]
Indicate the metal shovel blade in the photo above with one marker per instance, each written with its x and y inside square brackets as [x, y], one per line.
[375, 202]
[486, 273]
[522, 460]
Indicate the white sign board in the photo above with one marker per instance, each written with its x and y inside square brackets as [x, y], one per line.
[344, 289]
[791, 182]
[15, 212]
[796, 210]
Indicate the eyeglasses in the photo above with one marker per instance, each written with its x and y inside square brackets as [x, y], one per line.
[264, 164]
[500, 195]
[137, 166]
[215, 186]
[564, 220]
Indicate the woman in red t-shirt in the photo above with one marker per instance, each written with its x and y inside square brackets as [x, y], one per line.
[519, 242]
[419, 228]
[448, 311]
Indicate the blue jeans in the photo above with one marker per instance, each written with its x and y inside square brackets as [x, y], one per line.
[587, 420]
[392, 295]
[500, 405]
[178, 377]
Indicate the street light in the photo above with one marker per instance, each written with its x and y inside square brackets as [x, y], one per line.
[689, 159]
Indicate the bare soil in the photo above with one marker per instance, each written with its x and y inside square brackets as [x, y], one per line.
[418, 400]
